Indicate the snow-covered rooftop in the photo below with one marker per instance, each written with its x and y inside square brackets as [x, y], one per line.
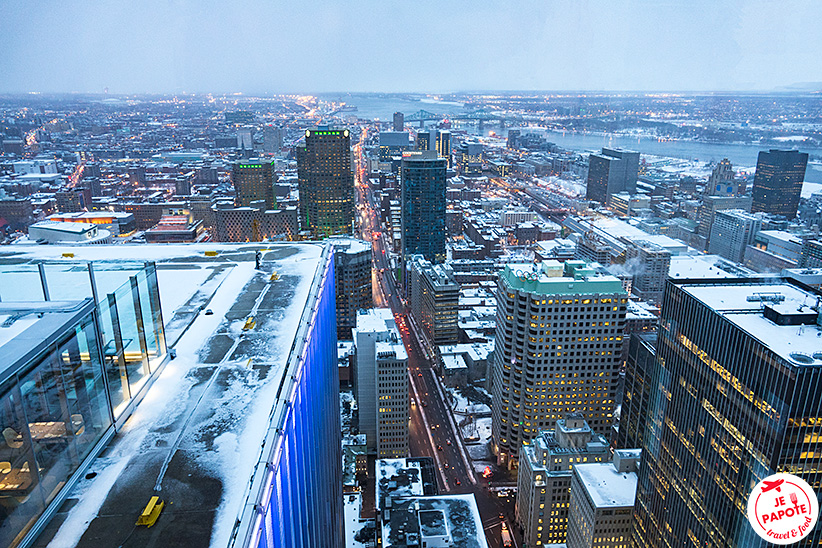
[606, 487]
[212, 403]
[731, 301]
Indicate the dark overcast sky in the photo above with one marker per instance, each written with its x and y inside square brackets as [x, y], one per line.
[270, 46]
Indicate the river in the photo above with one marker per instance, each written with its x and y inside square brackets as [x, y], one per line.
[741, 155]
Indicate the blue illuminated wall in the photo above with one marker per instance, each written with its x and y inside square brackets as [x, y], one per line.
[300, 501]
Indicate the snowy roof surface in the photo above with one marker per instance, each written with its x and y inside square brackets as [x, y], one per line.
[398, 478]
[218, 425]
[731, 301]
[705, 266]
[455, 517]
[606, 487]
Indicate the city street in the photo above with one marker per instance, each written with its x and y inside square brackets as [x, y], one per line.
[432, 432]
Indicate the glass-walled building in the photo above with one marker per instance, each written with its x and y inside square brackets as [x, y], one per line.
[70, 372]
[735, 395]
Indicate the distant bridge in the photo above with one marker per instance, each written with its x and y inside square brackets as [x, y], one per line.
[423, 116]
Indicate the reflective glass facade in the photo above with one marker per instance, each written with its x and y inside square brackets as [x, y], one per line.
[725, 410]
[423, 206]
[66, 378]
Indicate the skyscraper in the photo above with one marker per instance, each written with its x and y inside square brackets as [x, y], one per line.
[778, 182]
[733, 230]
[326, 182]
[558, 344]
[382, 383]
[637, 390]
[245, 138]
[272, 139]
[443, 146]
[734, 398]
[393, 143]
[433, 298]
[436, 140]
[602, 501]
[254, 180]
[424, 140]
[650, 266]
[352, 272]
[423, 205]
[613, 171]
[721, 182]
[399, 121]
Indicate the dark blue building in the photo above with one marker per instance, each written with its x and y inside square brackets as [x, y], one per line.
[423, 205]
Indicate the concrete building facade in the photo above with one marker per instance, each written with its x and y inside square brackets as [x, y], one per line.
[544, 478]
[558, 346]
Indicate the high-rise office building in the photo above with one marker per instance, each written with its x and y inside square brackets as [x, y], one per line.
[650, 266]
[733, 230]
[710, 205]
[721, 182]
[272, 139]
[423, 205]
[182, 185]
[245, 138]
[326, 181]
[811, 256]
[469, 156]
[613, 171]
[137, 176]
[636, 392]
[602, 502]
[352, 271]
[734, 399]
[437, 140]
[393, 143]
[381, 383]
[424, 140]
[433, 298]
[254, 180]
[544, 477]
[399, 121]
[558, 350]
[443, 146]
[778, 182]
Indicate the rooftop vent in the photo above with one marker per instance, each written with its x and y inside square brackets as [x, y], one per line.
[766, 297]
[804, 359]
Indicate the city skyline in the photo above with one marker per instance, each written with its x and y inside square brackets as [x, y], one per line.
[322, 47]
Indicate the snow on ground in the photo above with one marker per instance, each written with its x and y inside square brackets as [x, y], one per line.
[478, 428]
[461, 404]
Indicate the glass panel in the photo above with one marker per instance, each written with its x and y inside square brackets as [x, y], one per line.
[83, 378]
[136, 364]
[68, 282]
[45, 402]
[21, 502]
[114, 361]
[150, 323]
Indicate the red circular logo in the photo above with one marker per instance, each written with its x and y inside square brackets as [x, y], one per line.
[783, 509]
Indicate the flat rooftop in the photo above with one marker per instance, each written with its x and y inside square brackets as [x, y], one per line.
[548, 278]
[197, 433]
[731, 301]
[606, 487]
[432, 519]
